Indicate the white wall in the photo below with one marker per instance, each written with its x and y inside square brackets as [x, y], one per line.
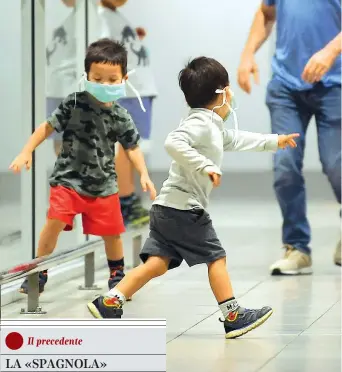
[177, 31]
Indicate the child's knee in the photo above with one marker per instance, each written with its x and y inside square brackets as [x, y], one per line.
[112, 239]
[220, 261]
[157, 266]
[49, 235]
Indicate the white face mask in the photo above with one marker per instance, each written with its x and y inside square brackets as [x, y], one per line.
[231, 110]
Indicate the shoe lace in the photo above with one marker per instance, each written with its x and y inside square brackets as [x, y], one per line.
[289, 249]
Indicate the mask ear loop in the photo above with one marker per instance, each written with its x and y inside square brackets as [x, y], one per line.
[135, 91]
[219, 91]
[83, 77]
[232, 110]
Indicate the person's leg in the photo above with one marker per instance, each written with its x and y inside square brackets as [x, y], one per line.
[237, 320]
[115, 259]
[327, 102]
[219, 280]
[131, 206]
[289, 114]
[62, 210]
[139, 276]
[102, 217]
[46, 245]
[106, 306]
[158, 255]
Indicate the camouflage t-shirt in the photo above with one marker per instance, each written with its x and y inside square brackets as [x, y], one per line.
[90, 131]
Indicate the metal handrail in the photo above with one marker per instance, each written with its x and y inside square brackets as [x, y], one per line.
[87, 250]
[50, 261]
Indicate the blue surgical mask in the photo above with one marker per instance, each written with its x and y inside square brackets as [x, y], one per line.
[109, 92]
[105, 92]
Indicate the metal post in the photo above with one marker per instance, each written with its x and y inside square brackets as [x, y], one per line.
[33, 296]
[136, 243]
[89, 272]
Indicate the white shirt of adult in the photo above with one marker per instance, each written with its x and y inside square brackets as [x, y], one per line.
[114, 25]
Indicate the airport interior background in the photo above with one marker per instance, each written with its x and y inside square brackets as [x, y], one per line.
[304, 334]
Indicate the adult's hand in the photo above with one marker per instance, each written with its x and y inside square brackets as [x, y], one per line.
[247, 67]
[318, 65]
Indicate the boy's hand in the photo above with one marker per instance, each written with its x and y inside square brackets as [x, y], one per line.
[147, 184]
[215, 178]
[23, 159]
[285, 140]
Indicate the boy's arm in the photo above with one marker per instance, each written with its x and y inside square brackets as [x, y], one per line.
[58, 121]
[25, 157]
[247, 141]
[180, 146]
[136, 156]
[39, 135]
[129, 138]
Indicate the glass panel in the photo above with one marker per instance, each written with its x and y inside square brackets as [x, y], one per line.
[62, 42]
[15, 201]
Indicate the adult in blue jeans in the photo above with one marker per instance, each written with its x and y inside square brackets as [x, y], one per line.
[306, 83]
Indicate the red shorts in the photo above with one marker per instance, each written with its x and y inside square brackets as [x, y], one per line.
[100, 215]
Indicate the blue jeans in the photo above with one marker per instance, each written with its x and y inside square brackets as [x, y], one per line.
[291, 112]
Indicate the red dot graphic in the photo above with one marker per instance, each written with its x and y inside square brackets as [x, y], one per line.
[14, 340]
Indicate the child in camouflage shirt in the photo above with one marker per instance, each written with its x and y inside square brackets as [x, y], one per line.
[84, 180]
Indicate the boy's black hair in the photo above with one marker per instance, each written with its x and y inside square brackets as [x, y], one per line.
[106, 51]
[200, 79]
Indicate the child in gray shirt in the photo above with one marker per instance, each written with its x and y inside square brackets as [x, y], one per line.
[180, 227]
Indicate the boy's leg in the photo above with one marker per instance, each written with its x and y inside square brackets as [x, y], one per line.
[107, 306]
[158, 255]
[115, 259]
[219, 280]
[237, 320]
[46, 245]
[64, 205]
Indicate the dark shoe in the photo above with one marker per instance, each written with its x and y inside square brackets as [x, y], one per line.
[115, 278]
[133, 212]
[243, 320]
[43, 277]
[105, 308]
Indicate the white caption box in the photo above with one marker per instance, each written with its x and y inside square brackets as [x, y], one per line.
[127, 345]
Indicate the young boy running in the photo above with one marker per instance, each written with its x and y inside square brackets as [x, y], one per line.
[84, 178]
[180, 227]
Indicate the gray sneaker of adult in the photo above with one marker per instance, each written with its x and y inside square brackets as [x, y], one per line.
[293, 263]
[337, 255]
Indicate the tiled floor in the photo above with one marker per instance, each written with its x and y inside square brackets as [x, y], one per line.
[304, 334]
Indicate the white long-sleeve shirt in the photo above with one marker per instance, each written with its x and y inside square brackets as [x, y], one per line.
[197, 148]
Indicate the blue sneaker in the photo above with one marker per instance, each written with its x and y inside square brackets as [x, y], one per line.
[243, 320]
[133, 213]
[105, 308]
[43, 277]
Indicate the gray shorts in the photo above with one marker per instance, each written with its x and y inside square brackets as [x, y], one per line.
[182, 235]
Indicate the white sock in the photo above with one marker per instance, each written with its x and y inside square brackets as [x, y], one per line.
[228, 307]
[115, 293]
